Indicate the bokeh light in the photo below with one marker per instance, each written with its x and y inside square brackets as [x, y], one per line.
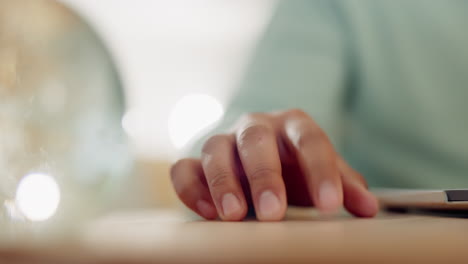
[37, 196]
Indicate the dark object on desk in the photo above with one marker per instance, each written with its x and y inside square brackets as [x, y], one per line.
[457, 195]
[428, 212]
[423, 199]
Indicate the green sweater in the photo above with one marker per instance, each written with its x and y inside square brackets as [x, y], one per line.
[386, 79]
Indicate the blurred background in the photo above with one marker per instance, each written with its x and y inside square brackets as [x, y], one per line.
[179, 61]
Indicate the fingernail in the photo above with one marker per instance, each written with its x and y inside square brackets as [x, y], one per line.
[328, 196]
[231, 205]
[269, 206]
[206, 209]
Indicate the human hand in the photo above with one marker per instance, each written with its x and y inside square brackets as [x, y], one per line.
[268, 161]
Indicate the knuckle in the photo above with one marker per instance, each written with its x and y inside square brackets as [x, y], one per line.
[311, 137]
[261, 173]
[176, 167]
[361, 179]
[297, 112]
[182, 182]
[220, 178]
[349, 172]
[251, 116]
[182, 190]
[254, 133]
[323, 165]
[213, 142]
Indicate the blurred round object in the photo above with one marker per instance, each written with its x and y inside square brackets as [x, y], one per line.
[37, 196]
[61, 104]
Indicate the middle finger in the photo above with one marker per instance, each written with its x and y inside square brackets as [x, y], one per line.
[258, 152]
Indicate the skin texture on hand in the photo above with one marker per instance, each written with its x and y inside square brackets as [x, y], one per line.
[270, 160]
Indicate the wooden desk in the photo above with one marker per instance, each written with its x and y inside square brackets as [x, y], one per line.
[169, 237]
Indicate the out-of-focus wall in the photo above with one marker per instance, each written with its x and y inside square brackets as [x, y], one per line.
[167, 51]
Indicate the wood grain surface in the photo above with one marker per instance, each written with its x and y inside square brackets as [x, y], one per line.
[304, 237]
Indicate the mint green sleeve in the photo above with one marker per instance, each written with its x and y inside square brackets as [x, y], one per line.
[299, 63]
